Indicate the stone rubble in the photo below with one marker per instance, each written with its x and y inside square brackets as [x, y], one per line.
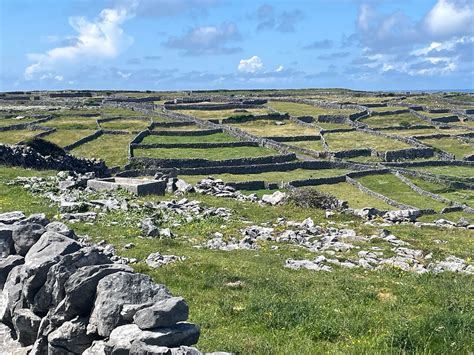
[156, 260]
[42, 299]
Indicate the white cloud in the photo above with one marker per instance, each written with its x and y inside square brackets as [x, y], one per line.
[280, 68]
[250, 65]
[449, 45]
[102, 38]
[450, 17]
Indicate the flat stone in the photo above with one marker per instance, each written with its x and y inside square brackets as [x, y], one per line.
[162, 314]
[25, 236]
[11, 217]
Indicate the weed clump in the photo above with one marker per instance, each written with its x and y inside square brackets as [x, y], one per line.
[308, 197]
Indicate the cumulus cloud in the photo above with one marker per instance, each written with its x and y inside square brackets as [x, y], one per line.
[251, 65]
[449, 17]
[102, 38]
[207, 40]
[270, 19]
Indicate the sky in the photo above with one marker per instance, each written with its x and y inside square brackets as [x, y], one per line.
[227, 44]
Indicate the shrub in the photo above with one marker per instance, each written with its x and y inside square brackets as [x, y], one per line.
[309, 197]
[44, 147]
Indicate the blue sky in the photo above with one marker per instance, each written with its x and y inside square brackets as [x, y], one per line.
[209, 44]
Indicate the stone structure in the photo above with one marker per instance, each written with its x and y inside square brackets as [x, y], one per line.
[139, 187]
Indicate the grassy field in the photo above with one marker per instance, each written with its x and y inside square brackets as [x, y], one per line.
[313, 145]
[112, 148]
[329, 125]
[63, 137]
[354, 140]
[205, 153]
[268, 128]
[277, 310]
[72, 122]
[451, 145]
[437, 115]
[295, 109]
[387, 108]
[180, 128]
[455, 171]
[274, 176]
[393, 120]
[218, 114]
[210, 138]
[162, 119]
[390, 186]
[12, 121]
[423, 131]
[12, 137]
[126, 124]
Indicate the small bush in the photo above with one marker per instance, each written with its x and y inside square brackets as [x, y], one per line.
[44, 147]
[308, 197]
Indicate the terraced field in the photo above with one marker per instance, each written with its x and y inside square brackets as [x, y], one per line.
[269, 128]
[205, 153]
[112, 148]
[454, 146]
[296, 109]
[404, 119]
[126, 124]
[12, 137]
[210, 138]
[357, 140]
[220, 114]
[64, 137]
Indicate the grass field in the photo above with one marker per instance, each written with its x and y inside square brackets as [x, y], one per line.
[66, 122]
[63, 137]
[313, 145]
[387, 108]
[329, 125]
[390, 186]
[451, 145]
[210, 138]
[126, 124]
[15, 136]
[268, 128]
[423, 131]
[180, 128]
[393, 120]
[218, 114]
[274, 176]
[455, 171]
[295, 109]
[354, 140]
[12, 121]
[205, 153]
[112, 148]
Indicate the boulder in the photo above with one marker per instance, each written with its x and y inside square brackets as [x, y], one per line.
[162, 314]
[7, 264]
[6, 241]
[60, 228]
[26, 325]
[275, 198]
[11, 217]
[97, 348]
[140, 348]
[25, 236]
[183, 187]
[402, 215]
[38, 218]
[115, 290]
[149, 228]
[11, 295]
[72, 336]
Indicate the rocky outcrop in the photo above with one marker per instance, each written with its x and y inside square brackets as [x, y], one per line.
[63, 296]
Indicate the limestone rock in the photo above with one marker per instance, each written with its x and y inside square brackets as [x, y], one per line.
[72, 336]
[60, 228]
[162, 314]
[275, 198]
[7, 264]
[25, 236]
[11, 217]
[26, 325]
[149, 228]
[6, 241]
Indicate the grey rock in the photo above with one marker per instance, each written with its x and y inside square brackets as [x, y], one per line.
[26, 325]
[183, 186]
[149, 228]
[11, 217]
[6, 241]
[25, 236]
[7, 264]
[11, 295]
[38, 218]
[275, 198]
[97, 348]
[60, 228]
[129, 310]
[156, 260]
[72, 336]
[115, 290]
[141, 348]
[162, 314]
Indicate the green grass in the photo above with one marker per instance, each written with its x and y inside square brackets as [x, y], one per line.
[63, 137]
[71, 122]
[387, 108]
[16, 136]
[295, 109]
[355, 140]
[112, 148]
[329, 125]
[390, 186]
[393, 120]
[210, 138]
[218, 114]
[180, 128]
[162, 119]
[12, 121]
[273, 176]
[451, 145]
[205, 153]
[109, 111]
[268, 128]
[313, 145]
[457, 195]
[126, 124]
[437, 115]
[448, 170]
[355, 197]
[423, 131]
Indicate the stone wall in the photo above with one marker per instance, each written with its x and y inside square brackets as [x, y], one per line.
[212, 107]
[84, 140]
[353, 153]
[388, 113]
[409, 153]
[195, 145]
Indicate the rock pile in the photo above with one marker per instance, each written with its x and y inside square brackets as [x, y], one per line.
[27, 157]
[62, 296]
[217, 187]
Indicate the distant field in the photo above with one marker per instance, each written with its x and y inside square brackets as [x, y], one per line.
[329, 125]
[218, 114]
[455, 171]
[274, 176]
[66, 122]
[393, 120]
[180, 128]
[451, 145]
[313, 145]
[295, 109]
[126, 125]
[12, 121]
[207, 153]
[356, 139]
[63, 137]
[15, 136]
[423, 131]
[268, 128]
[112, 148]
[211, 138]
[390, 186]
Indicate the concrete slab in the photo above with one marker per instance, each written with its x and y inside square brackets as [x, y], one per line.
[139, 187]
